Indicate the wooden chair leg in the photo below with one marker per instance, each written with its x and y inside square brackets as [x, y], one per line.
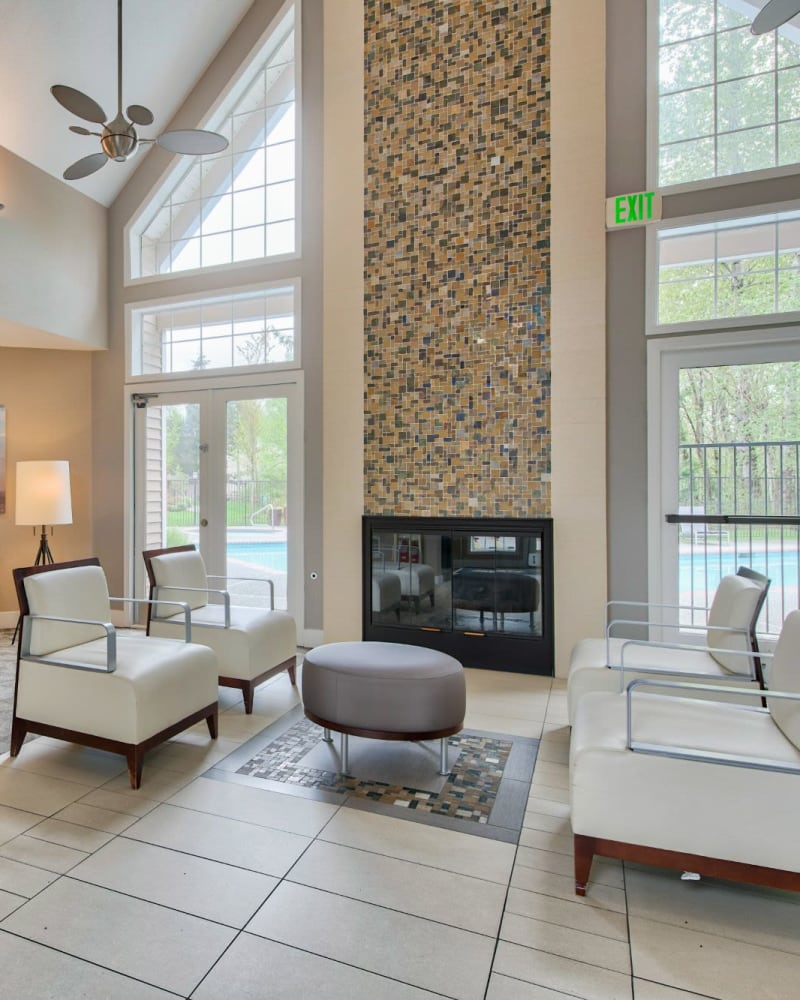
[292, 671]
[248, 690]
[19, 731]
[135, 759]
[211, 722]
[584, 852]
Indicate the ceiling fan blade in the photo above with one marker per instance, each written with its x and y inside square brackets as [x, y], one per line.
[195, 141]
[140, 115]
[80, 130]
[88, 165]
[773, 14]
[78, 103]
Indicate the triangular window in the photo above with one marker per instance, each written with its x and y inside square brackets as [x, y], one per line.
[241, 204]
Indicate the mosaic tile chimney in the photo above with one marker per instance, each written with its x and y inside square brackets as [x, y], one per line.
[457, 234]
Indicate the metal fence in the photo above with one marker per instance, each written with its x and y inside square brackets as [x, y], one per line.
[248, 502]
[744, 505]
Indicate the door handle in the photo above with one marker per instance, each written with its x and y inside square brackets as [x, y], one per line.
[203, 522]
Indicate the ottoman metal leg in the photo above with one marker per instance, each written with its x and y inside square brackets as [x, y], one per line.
[326, 735]
[443, 745]
[345, 753]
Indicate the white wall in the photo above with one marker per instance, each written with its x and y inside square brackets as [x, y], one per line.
[578, 341]
[53, 248]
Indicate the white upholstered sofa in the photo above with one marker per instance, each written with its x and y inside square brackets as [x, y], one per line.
[607, 664]
[703, 786]
[78, 680]
[251, 644]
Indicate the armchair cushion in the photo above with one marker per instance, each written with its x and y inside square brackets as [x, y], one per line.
[181, 569]
[78, 592]
[735, 603]
[156, 682]
[785, 676]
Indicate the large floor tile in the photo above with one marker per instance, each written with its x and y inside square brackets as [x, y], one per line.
[124, 803]
[41, 854]
[459, 900]
[157, 783]
[13, 822]
[711, 965]
[566, 913]
[644, 990]
[72, 835]
[485, 722]
[254, 805]
[548, 806]
[536, 880]
[292, 974]
[31, 971]
[36, 793]
[556, 939]
[547, 823]
[68, 761]
[95, 818]
[22, 879]
[604, 872]
[505, 988]
[427, 845]
[425, 954]
[557, 973]
[170, 950]
[742, 912]
[561, 843]
[230, 841]
[204, 888]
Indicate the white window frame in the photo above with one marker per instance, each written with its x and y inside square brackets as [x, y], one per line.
[652, 124]
[164, 303]
[664, 355]
[652, 326]
[216, 115]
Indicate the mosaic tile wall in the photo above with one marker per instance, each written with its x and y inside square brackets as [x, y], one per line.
[457, 235]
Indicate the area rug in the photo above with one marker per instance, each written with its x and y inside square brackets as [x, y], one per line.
[8, 667]
[484, 793]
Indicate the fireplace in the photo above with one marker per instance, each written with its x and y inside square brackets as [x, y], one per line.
[480, 589]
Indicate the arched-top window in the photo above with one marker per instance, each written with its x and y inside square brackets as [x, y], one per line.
[241, 204]
[728, 101]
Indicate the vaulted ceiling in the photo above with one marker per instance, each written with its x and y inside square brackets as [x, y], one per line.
[167, 46]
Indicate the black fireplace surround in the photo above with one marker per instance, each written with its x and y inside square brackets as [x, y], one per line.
[480, 589]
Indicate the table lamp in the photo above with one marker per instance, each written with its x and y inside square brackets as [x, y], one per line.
[43, 498]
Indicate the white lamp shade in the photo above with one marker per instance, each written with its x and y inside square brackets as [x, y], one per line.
[43, 493]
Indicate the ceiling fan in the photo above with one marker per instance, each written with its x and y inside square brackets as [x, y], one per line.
[773, 14]
[119, 139]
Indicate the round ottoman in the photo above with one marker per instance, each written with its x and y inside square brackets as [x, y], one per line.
[384, 691]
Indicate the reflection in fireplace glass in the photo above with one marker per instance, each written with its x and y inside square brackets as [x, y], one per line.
[458, 581]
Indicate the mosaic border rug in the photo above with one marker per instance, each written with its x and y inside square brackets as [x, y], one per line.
[485, 792]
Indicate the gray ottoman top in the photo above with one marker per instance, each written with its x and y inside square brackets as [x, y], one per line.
[390, 659]
[383, 688]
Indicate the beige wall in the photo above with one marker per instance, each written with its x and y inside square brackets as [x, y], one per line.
[578, 321]
[53, 279]
[343, 357]
[47, 396]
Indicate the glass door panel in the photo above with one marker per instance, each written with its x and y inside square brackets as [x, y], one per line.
[220, 468]
[256, 484]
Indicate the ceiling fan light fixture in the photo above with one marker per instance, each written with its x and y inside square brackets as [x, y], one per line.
[119, 139]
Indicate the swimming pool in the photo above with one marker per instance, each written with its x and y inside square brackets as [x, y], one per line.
[266, 555]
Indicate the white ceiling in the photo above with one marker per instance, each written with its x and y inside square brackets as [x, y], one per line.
[167, 46]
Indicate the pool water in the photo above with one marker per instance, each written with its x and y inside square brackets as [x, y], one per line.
[266, 555]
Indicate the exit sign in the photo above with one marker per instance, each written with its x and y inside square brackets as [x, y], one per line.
[633, 209]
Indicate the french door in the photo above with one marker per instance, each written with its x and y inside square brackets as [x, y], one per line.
[724, 442]
[222, 468]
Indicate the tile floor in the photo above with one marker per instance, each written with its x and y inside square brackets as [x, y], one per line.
[199, 888]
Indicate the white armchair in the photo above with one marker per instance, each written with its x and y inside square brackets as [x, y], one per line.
[78, 680]
[730, 629]
[705, 786]
[252, 644]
